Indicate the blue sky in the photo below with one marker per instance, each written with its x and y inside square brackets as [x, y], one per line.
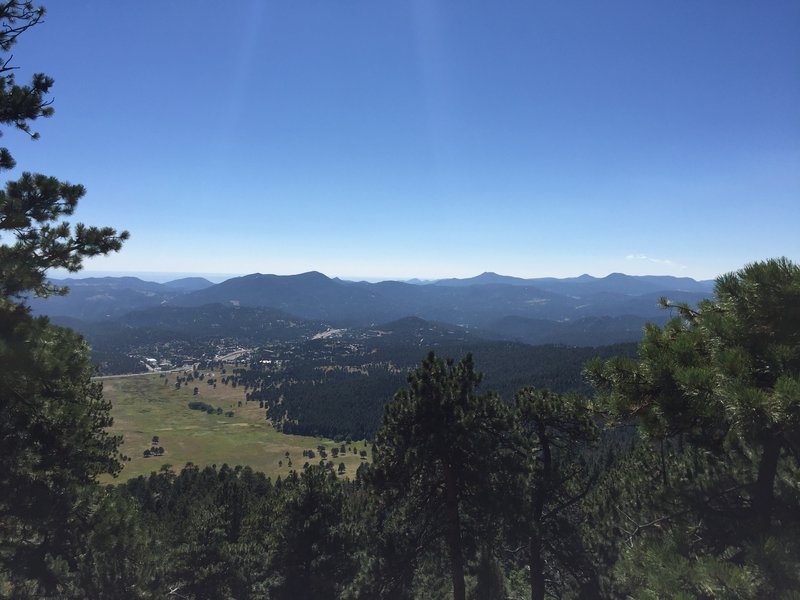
[423, 138]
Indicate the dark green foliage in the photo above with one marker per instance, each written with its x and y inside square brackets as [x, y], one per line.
[31, 207]
[489, 578]
[312, 542]
[717, 393]
[207, 408]
[119, 557]
[231, 533]
[556, 438]
[349, 400]
[343, 405]
[437, 455]
[53, 444]
[199, 520]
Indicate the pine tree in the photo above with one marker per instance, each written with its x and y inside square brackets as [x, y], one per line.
[310, 540]
[53, 419]
[556, 439]
[436, 461]
[716, 394]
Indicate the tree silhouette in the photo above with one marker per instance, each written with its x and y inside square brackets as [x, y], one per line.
[54, 422]
[438, 453]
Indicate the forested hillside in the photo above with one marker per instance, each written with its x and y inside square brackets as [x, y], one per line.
[338, 387]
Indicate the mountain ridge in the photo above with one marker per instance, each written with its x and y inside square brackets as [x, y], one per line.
[542, 310]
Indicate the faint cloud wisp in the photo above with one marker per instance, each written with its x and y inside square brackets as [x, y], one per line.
[658, 261]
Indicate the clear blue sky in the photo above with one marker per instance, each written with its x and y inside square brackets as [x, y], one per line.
[425, 138]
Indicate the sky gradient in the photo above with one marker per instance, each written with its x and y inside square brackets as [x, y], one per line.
[426, 139]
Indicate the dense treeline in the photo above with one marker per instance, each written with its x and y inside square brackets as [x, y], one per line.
[234, 533]
[344, 405]
[341, 393]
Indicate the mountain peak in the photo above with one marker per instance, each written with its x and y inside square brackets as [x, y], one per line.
[312, 275]
[189, 284]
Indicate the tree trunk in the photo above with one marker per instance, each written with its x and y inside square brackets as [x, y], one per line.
[763, 490]
[536, 564]
[454, 534]
[535, 558]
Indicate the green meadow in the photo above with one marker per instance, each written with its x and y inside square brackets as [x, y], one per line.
[144, 406]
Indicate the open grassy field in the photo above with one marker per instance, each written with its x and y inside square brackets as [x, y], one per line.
[144, 406]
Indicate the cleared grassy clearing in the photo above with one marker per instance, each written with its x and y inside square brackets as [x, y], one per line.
[144, 406]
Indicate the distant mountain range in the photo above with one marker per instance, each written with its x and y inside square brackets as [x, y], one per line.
[617, 283]
[99, 298]
[581, 310]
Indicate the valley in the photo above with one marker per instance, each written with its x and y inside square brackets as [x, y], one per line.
[320, 373]
[278, 383]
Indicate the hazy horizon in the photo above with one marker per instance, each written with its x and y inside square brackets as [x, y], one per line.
[166, 276]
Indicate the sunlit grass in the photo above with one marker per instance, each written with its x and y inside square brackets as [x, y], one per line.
[144, 406]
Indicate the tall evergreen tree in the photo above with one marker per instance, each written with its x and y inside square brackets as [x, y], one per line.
[556, 437]
[310, 541]
[53, 419]
[437, 456]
